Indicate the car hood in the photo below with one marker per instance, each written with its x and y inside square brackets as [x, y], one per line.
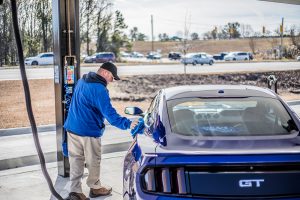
[90, 57]
[195, 146]
[31, 58]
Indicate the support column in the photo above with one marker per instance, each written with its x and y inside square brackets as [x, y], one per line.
[66, 44]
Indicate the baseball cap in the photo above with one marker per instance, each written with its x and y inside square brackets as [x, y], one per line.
[109, 66]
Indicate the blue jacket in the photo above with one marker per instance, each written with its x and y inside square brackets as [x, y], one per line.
[90, 105]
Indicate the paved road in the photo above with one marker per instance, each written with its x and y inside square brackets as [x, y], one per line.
[44, 73]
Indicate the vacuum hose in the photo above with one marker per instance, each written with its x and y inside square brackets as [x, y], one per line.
[28, 100]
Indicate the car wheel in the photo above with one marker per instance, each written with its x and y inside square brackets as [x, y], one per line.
[202, 63]
[34, 63]
[246, 58]
[211, 62]
[194, 63]
[234, 59]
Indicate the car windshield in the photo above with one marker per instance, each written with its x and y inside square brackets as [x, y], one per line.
[249, 116]
[189, 55]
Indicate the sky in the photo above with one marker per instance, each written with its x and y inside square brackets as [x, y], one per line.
[170, 16]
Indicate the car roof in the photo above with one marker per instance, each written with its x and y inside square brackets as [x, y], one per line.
[217, 91]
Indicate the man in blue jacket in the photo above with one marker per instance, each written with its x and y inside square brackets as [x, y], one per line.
[85, 125]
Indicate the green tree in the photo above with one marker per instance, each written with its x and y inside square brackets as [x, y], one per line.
[194, 36]
[141, 37]
[118, 39]
[232, 29]
[134, 33]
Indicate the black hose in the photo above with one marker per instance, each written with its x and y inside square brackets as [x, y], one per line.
[28, 99]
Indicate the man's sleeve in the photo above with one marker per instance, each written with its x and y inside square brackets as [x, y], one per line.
[110, 113]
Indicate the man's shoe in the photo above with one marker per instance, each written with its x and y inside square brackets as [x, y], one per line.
[103, 191]
[76, 196]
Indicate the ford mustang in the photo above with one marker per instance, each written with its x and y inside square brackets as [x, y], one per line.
[214, 142]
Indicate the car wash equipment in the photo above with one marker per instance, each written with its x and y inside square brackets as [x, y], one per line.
[28, 100]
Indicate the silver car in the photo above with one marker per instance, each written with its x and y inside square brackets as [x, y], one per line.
[197, 58]
[233, 56]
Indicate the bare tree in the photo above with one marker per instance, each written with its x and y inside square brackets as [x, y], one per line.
[44, 15]
[295, 38]
[87, 16]
[103, 24]
[246, 30]
[185, 45]
[253, 44]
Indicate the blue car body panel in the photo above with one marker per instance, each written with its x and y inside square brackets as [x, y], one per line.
[216, 166]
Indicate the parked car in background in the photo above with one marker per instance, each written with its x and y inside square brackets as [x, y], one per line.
[125, 54]
[41, 59]
[174, 56]
[90, 59]
[233, 56]
[153, 56]
[220, 56]
[298, 58]
[197, 58]
[214, 142]
[101, 57]
[136, 55]
[105, 57]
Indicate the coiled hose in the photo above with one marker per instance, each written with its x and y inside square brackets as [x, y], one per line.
[28, 99]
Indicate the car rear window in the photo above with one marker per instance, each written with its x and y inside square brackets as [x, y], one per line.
[250, 116]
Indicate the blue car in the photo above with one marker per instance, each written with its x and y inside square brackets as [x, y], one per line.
[214, 142]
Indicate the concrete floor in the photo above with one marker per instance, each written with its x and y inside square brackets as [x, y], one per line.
[28, 183]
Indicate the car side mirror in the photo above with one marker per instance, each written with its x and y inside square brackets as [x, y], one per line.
[133, 111]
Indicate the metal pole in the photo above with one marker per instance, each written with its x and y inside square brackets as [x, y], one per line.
[152, 43]
[66, 39]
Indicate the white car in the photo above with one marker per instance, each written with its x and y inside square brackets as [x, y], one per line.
[233, 56]
[136, 55]
[298, 58]
[41, 59]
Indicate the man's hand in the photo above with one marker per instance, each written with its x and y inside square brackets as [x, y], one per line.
[134, 123]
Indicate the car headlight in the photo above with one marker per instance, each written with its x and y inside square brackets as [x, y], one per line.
[164, 180]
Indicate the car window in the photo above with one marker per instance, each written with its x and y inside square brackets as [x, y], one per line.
[47, 55]
[152, 110]
[252, 116]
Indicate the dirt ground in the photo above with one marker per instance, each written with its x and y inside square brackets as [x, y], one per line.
[131, 91]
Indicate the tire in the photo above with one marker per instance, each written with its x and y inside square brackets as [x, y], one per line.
[194, 63]
[34, 63]
[202, 64]
[211, 62]
[234, 59]
[246, 59]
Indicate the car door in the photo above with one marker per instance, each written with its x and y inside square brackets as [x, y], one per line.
[49, 59]
[198, 58]
[205, 59]
[43, 59]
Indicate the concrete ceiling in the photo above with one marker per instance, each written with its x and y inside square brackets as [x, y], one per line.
[296, 2]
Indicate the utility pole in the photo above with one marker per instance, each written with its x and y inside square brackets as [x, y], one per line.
[281, 41]
[152, 43]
